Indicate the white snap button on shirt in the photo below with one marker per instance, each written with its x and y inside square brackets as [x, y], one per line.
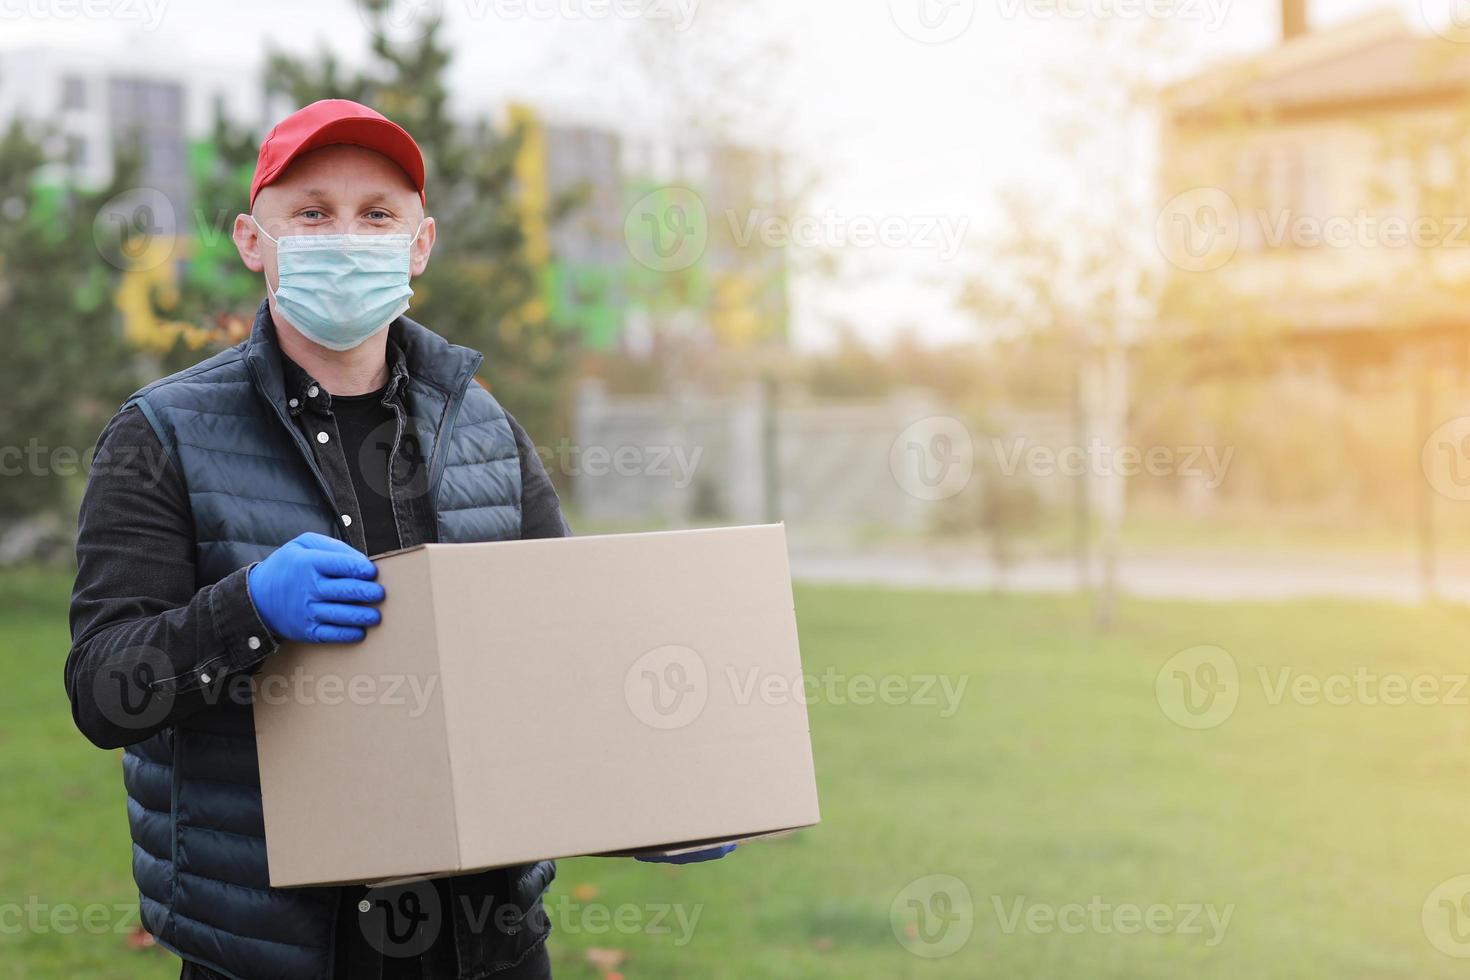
[205, 678]
[313, 391]
[323, 438]
[346, 520]
[295, 403]
[253, 643]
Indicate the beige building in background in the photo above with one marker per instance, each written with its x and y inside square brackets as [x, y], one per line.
[1326, 182]
[1318, 208]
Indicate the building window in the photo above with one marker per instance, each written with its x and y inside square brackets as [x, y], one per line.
[73, 92]
[1278, 187]
[76, 152]
[166, 159]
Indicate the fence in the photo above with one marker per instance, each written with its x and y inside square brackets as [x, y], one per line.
[692, 457]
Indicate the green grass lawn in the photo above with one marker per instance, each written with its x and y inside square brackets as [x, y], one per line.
[1320, 829]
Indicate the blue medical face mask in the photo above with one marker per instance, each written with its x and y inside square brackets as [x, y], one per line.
[339, 290]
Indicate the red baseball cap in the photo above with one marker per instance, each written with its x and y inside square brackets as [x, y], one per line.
[331, 122]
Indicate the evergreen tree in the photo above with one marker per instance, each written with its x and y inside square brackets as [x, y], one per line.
[65, 368]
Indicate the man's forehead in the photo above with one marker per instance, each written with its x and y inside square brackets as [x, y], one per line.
[340, 170]
[317, 190]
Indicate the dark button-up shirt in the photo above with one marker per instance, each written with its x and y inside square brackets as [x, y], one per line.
[403, 483]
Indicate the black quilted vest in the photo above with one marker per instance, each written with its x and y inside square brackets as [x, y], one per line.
[194, 790]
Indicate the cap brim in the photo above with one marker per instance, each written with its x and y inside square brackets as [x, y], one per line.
[380, 135]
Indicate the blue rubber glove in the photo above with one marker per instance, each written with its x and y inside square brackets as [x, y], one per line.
[693, 857]
[313, 589]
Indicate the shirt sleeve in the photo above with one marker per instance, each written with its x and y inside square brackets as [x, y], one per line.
[149, 648]
[541, 513]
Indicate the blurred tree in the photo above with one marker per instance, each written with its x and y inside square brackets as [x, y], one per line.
[1075, 276]
[65, 367]
[213, 302]
[718, 83]
[1001, 507]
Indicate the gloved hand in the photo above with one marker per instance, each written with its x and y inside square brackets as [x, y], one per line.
[313, 589]
[693, 857]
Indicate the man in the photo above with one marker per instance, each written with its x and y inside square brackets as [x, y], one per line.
[231, 508]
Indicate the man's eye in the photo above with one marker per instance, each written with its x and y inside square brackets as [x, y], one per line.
[313, 214]
[377, 215]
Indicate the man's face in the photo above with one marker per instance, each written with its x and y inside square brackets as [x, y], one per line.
[336, 190]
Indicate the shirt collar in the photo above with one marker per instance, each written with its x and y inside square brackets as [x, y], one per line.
[303, 391]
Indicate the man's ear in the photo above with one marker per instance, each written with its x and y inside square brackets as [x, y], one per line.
[247, 242]
[418, 256]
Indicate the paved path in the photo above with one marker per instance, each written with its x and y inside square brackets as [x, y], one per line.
[1208, 576]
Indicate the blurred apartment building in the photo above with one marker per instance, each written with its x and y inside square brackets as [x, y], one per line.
[1334, 174]
[733, 295]
[90, 109]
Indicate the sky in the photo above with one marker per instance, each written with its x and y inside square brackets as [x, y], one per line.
[907, 117]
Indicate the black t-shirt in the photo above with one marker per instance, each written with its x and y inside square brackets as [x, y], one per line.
[366, 427]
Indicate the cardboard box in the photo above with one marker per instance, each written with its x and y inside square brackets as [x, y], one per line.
[542, 699]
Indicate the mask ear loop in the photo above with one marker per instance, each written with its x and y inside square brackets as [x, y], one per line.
[274, 241]
[267, 235]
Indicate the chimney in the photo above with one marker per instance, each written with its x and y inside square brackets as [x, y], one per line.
[1293, 19]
